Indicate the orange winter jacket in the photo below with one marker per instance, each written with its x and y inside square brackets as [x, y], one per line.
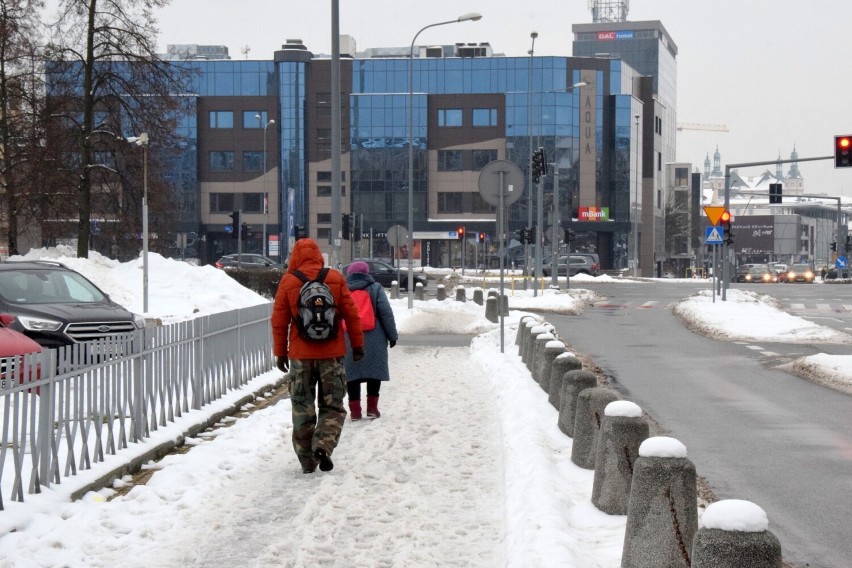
[307, 259]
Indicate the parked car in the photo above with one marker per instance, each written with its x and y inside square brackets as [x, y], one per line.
[761, 273]
[800, 273]
[579, 264]
[385, 274]
[13, 344]
[247, 260]
[56, 306]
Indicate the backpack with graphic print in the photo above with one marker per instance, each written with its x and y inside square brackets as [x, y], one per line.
[317, 317]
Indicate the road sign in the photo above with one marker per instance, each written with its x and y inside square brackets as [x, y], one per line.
[712, 235]
[397, 235]
[489, 182]
[714, 213]
[841, 262]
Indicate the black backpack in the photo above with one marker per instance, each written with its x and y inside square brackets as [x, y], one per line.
[317, 317]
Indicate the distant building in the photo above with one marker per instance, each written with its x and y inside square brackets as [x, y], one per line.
[192, 51]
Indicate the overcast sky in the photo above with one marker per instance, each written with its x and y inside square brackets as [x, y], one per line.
[772, 71]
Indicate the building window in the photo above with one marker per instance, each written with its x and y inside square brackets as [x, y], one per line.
[482, 157]
[222, 161]
[681, 177]
[221, 119]
[252, 203]
[450, 202]
[449, 160]
[485, 117]
[251, 120]
[325, 190]
[326, 176]
[324, 218]
[324, 133]
[324, 234]
[221, 202]
[252, 161]
[449, 117]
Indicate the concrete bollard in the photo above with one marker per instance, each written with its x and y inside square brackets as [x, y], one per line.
[529, 348]
[394, 290]
[419, 291]
[561, 365]
[537, 352]
[587, 424]
[523, 329]
[491, 309]
[505, 304]
[441, 292]
[573, 383]
[623, 429]
[461, 295]
[492, 292]
[552, 350]
[662, 511]
[477, 296]
[735, 533]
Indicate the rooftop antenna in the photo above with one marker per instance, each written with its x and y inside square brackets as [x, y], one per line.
[609, 10]
[245, 50]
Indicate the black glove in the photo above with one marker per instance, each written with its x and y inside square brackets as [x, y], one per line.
[391, 344]
[357, 353]
[282, 363]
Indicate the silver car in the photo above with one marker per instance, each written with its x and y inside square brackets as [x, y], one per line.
[578, 264]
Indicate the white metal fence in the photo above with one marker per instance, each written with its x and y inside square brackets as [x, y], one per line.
[63, 410]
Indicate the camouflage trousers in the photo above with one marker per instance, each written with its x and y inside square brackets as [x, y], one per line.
[317, 426]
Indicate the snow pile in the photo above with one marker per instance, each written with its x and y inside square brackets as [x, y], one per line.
[735, 515]
[662, 447]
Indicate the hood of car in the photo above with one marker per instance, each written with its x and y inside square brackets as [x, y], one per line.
[75, 312]
[15, 343]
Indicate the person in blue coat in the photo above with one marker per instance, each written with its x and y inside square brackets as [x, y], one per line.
[373, 368]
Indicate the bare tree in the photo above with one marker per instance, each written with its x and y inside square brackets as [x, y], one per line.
[109, 83]
[20, 95]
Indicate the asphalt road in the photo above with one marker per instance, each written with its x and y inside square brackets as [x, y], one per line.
[753, 431]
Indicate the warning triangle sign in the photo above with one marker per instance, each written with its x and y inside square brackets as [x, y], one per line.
[714, 213]
[713, 235]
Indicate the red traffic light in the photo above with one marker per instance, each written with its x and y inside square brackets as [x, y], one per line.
[460, 232]
[843, 151]
[481, 237]
[725, 217]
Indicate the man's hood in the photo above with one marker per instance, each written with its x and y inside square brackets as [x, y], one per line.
[306, 257]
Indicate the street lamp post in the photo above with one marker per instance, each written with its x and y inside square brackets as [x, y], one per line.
[637, 209]
[527, 258]
[472, 16]
[265, 191]
[142, 140]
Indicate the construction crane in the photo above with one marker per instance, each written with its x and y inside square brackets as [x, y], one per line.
[696, 126]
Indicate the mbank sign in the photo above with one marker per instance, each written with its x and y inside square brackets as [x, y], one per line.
[593, 214]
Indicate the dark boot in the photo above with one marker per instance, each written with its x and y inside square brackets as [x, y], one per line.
[325, 463]
[373, 407]
[355, 409]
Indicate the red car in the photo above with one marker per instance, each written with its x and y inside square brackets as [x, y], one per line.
[12, 344]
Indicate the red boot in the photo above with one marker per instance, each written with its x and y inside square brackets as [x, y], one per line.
[355, 409]
[373, 407]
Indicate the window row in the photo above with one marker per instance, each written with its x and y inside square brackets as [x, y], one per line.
[463, 202]
[223, 161]
[225, 119]
[228, 202]
[464, 160]
[478, 117]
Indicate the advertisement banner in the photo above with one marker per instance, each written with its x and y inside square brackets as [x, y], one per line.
[593, 213]
[754, 234]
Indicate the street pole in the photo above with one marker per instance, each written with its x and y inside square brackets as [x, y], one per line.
[144, 141]
[336, 193]
[554, 238]
[265, 190]
[527, 258]
[636, 209]
[472, 16]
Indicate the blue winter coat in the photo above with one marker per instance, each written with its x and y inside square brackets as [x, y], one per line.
[374, 365]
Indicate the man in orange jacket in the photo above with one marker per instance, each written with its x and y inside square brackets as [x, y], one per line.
[314, 365]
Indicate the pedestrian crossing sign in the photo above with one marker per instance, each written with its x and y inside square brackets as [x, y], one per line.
[712, 236]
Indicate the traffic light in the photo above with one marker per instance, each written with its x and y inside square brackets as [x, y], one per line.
[244, 230]
[848, 243]
[774, 193]
[539, 166]
[299, 232]
[531, 235]
[725, 222]
[346, 228]
[235, 224]
[481, 237]
[460, 233]
[834, 245]
[843, 151]
[569, 235]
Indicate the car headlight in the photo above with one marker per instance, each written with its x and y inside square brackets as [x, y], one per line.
[138, 321]
[39, 324]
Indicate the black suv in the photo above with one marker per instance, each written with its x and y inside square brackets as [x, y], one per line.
[56, 306]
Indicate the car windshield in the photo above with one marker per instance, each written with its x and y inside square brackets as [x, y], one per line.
[800, 268]
[759, 269]
[47, 287]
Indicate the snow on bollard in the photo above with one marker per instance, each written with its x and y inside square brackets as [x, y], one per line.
[561, 365]
[573, 383]
[491, 309]
[441, 292]
[478, 296]
[662, 513]
[735, 533]
[524, 325]
[587, 424]
[623, 429]
[552, 349]
[535, 331]
[461, 295]
[419, 291]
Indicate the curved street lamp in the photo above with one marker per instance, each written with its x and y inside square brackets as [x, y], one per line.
[265, 191]
[472, 16]
[142, 140]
